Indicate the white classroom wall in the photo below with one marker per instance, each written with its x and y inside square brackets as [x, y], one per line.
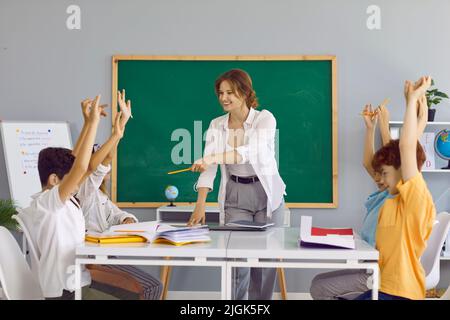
[47, 69]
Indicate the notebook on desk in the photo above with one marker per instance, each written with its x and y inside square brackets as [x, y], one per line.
[233, 227]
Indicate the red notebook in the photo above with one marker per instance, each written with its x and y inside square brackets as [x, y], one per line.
[325, 232]
[314, 237]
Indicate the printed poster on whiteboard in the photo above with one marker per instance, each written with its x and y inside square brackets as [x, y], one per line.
[22, 142]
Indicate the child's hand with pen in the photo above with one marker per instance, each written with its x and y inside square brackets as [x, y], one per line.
[370, 116]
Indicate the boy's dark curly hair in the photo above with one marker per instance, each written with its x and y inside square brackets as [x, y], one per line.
[54, 160]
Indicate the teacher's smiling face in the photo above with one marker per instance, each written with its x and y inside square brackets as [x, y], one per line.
[229, 98]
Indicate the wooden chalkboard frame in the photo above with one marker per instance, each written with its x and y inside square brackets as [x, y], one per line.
[331, 58]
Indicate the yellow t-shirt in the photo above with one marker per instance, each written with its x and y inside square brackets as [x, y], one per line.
[404, 225]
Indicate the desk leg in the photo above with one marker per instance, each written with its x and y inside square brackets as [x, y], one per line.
[165, 276]
[77, 281]
[375, 282]
[229, 279]
[223, 282]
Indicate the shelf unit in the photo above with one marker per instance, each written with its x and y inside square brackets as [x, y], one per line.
[429, 124]
[432, 123]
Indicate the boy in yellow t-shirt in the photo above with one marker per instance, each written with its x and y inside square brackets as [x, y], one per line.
[405, 221]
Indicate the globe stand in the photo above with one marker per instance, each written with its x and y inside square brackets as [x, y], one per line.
[448, 166]
[171, 204]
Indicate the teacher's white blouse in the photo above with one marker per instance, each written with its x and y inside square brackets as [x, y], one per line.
[258, 150]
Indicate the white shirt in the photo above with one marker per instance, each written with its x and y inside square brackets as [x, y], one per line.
[241, 170]
[258, 150]
[99, 211]
[56, 228]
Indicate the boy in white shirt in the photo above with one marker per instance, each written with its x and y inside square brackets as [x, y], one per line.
[101, 213]
[55, 216]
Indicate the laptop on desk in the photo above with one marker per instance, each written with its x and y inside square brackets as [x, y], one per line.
[218, 227]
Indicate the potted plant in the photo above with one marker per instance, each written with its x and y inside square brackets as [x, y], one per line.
[434, 96]
[7, 210]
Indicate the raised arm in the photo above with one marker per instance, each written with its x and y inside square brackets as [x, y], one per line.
[85, 109]
[370, 121]
[99, 156]
[409, 132]
[383, 115]
[422, 117]
[71, 180]
[105, 154]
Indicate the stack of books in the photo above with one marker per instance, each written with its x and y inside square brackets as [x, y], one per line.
[152, 232]
[182, 235]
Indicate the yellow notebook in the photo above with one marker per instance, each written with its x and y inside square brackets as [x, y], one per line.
[115, 239]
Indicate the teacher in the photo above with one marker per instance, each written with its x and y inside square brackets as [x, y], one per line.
[242, 142]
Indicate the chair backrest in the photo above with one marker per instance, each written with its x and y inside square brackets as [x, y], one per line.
[34, 254]
[431, 257]
[16, 278]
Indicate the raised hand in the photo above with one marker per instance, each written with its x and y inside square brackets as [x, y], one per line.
[117, 128]
[383, 114]
[414, 91]
[95, 110]
[370, 116]
[124, 107]
[86, 109]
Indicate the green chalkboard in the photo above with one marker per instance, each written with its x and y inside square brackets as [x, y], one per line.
[173, 102]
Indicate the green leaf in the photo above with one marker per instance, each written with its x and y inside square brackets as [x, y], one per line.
[7, 210]
[436, 101]
[441, 94]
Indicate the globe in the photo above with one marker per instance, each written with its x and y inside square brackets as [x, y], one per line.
[442, 145]
[171, 193]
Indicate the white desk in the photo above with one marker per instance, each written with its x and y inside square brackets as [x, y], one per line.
[211, 254]
[278, 248]
[274, 248]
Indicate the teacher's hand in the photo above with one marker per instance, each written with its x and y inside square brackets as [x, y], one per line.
[199, 166]
[198, 216]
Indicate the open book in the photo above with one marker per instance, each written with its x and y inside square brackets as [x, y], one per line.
[152, 232]
[324, 237]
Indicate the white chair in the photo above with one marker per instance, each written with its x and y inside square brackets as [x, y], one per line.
[446, 295]
[98, 273]
[431, 257]
[16, 278]
[30, 244]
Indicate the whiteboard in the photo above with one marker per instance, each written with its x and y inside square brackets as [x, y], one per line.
[22, 141]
